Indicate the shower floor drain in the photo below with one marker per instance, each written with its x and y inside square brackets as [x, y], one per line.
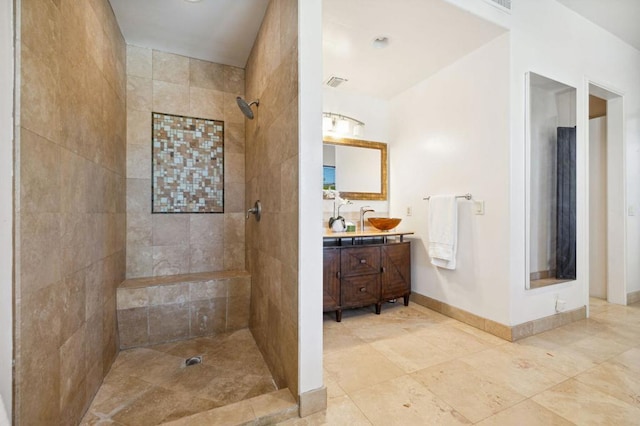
[193, 361]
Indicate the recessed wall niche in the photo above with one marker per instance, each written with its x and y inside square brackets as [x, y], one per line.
[187, 165]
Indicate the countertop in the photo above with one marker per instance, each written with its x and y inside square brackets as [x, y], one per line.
[368, 232]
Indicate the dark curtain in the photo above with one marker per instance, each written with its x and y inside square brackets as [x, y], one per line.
[566, 204]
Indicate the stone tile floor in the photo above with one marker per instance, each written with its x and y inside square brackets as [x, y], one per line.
[151, 385]
[407, 366]
[412, 366]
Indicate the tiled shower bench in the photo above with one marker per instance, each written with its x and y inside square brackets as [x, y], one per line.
[154, 310]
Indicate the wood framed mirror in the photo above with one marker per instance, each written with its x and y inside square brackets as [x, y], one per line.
[357, 168]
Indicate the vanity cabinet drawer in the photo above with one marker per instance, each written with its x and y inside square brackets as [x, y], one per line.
[360, 290]
[360, 260]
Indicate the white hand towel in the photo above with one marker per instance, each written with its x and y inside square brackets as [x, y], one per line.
[443, 230]
[4, 418]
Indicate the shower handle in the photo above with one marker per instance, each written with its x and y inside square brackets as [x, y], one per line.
[255, 210]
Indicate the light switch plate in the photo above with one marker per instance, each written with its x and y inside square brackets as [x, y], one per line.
[478, 207]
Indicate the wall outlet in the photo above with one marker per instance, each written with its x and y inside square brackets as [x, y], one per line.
[478, 207]
[561, 305]
[409, 211]
[631, 210]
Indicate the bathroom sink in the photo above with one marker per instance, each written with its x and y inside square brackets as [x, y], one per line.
[384, 223]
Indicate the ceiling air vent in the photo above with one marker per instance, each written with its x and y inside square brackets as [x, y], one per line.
[504, 5]
[335, 81]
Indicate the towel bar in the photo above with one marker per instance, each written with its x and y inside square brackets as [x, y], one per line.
[466, 196]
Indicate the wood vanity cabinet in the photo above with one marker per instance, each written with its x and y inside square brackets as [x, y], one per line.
[368, 274]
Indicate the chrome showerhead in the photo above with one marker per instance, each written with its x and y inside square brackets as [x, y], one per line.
[246, 107]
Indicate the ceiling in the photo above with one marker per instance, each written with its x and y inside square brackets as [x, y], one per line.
[424, 37]
[619, 17]
[221, 31]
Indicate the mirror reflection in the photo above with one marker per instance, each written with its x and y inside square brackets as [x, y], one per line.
[552, 181]
[356, 168]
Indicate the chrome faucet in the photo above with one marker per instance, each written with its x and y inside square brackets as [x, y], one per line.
[363, 210]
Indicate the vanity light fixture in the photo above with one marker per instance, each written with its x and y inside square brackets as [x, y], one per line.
[341, 125]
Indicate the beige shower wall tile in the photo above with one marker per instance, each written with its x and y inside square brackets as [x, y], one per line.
[139, 196]
[72, 295]
[95, 36]
[72, 368]
[239, 287]
[207, 289]
[139, 127]
[128, 298]
[40, 256]
[208, 317]
[206, 229]
[40, 178]
[170, 98]
[139, 93]
[139, 61]
[234, 228]
[139, 227]
[238, 313]
[170, 68]
[234, 138]
[94, 278]
[289, 185]
[203, 258]
[40, 93]
[168, 294]
[133, 327]
[205, 103]
[234, 256]
[234, 198]
[139, 261]
[233, 168]
[206, 75]
[41, 28]
[39, 375]
[288, 25]
[168, 322]
[139, 161]
[234, 80]
[170, 229]
[170, 260]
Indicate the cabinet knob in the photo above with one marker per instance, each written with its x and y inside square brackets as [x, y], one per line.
[363, 289]
[338, 275]
[363, 261]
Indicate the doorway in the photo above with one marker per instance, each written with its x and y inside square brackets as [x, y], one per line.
[606, 198]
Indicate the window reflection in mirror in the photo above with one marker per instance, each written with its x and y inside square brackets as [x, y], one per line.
[551, 203]
[356, 168]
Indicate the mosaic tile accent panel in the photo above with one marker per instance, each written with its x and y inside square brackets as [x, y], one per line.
[188, 165]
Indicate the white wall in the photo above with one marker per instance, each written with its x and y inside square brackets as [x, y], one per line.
[451, 136]
[555, 42]
[374, 113]
[6, 202]
[598, 207]
[310, 213]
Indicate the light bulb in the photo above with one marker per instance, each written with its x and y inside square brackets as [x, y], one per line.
[327, 124]
[342, 126]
